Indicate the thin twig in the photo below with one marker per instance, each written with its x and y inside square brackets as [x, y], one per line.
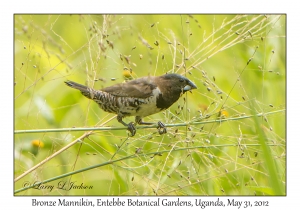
[194, 122]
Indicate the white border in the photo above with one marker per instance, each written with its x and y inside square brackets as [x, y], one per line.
[153, 6]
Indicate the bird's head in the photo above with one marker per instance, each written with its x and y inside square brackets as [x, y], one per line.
[178, 83]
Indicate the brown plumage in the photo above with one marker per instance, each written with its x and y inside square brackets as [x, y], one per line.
[140, 98]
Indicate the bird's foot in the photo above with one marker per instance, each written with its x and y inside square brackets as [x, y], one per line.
[161, 128]
[131, 128]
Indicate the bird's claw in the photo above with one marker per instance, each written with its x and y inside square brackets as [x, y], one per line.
[161, 128]
[131, 128]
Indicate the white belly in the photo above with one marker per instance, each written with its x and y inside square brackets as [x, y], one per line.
[145, 108]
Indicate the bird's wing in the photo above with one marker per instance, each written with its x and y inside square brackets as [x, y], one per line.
[139, 88]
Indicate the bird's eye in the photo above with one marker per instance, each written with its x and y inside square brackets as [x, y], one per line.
[181, 80]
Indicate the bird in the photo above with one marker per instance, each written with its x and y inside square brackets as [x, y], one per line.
[140, 97]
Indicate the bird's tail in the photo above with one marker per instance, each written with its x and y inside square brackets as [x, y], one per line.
[87, 92]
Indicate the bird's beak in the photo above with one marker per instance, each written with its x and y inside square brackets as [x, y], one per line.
[190, 86]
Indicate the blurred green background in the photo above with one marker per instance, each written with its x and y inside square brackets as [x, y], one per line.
[238, 63]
